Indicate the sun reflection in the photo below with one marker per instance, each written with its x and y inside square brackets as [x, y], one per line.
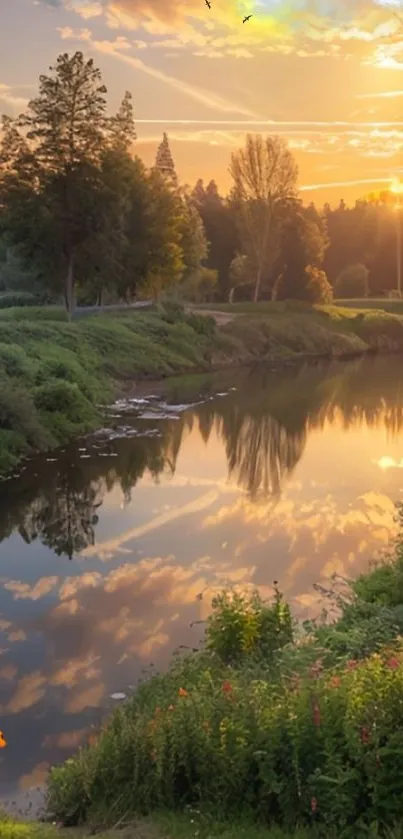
[387, 462]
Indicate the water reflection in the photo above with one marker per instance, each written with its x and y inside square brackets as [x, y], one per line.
[283, 478]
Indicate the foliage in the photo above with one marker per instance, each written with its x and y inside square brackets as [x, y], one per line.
[16, 298]
[352, 281]
[318, 288]
[236, 729]
[303, 248]
[239, 625]
[265, 177]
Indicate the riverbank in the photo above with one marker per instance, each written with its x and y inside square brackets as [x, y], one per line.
[55, 376]
[288, 727]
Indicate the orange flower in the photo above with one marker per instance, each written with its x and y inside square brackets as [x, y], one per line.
[227, 687]
[393, 663]
[335, 682]
[183, 692]
[3, 742]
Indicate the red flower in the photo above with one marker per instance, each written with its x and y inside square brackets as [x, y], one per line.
[364, 735]
[316, 714]
[393, 663]
[314, 805]
[227, 687]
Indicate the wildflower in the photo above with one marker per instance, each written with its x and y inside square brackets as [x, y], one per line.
[364, 735]
[316, 714]
[171, 707]
[335, 682]
[316, 669]
[183, 692]
[227, 687]
[393, 663]
[352, 664]
[3, 741]
[314, 805]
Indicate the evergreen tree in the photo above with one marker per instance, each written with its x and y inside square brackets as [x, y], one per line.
[164, 161]
[53, 194]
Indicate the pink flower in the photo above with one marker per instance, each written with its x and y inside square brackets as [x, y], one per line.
[393, 663]
[352, 664]
[227, 687]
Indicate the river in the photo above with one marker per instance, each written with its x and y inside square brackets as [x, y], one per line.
[111, 548]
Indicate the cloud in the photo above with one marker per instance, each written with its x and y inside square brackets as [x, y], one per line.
[113, 48]
[366, 29]
[9, 97]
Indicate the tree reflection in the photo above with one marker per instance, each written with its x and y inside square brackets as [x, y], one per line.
[264, 427]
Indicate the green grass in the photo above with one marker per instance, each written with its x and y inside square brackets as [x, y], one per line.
[53, 374]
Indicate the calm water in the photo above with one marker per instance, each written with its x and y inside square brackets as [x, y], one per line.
[112, 548]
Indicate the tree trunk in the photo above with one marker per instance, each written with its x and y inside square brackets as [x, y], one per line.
[69, 288]
[257, 285]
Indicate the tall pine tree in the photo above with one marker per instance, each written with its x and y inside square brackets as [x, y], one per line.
[164, 162]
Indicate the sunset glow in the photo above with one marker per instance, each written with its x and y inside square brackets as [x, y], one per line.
[326, 75]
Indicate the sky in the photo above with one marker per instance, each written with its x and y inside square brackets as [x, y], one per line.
[325, 74]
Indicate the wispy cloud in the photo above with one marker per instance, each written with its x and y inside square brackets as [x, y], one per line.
[9, 97]
[199, 94]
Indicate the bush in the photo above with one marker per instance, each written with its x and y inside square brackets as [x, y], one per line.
[352, 281]
[240, 625]
[17, 298]
[318, 288]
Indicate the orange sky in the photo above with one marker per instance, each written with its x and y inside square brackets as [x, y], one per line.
[326, 74]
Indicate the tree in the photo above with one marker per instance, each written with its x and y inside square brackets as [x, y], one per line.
[303, 247]
[164, 161]
[318, 288]
[52, 190]
[239, 274]
[221, 232]
[352, 281]
[265, 178]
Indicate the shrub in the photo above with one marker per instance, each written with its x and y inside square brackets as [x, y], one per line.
[17, 298]
[352, 281]
[242, 625]
[318, 288]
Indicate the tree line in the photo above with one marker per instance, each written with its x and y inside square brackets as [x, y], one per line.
[81, 217]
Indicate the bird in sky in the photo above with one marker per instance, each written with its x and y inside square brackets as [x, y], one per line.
[248, 17]
[208, 4]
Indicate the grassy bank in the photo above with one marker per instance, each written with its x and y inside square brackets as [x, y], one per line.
[285, 726]
[54, 375]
